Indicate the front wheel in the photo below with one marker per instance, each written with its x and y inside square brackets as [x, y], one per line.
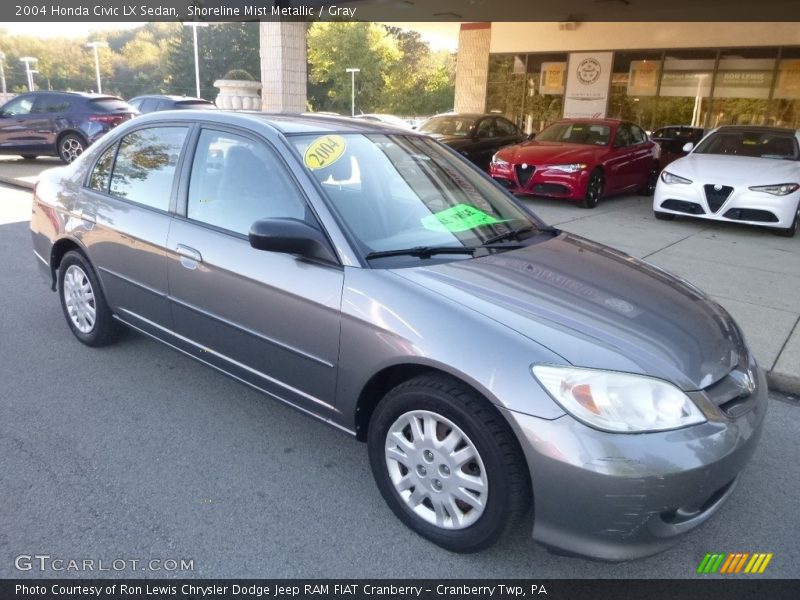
[791, 230]
[447, 464]
[594, 189]
[85, 308]
[70, 147]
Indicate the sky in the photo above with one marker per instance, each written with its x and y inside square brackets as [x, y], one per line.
[440, 36]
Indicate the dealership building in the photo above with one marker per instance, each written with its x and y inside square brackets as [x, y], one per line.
[655, 74]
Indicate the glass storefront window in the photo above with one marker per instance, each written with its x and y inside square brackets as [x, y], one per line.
[634, 88]
[742, 86]
[785, 106]
[506, 85]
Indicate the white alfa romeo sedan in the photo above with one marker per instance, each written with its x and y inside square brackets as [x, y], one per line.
[746, 174]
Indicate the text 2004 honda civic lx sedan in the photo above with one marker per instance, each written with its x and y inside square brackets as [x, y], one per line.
[374, 279]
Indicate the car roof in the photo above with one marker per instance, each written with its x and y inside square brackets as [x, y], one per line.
[593, 120]
[171, 97]
[285, 123]
[87, 95]
[764, 128]
[467, 115]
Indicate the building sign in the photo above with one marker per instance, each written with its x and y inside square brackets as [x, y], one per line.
[552, 78]
[686, 83]
[588, 79]
[743, 84]
[788, 85]
[643, 78]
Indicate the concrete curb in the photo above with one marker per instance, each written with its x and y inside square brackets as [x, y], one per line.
[16, 182]
[783, 382]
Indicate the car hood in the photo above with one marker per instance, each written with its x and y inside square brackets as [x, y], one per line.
[553, 153]
[736, 170]
[597, 308]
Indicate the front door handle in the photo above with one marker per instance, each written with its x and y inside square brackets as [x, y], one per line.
[189, 256]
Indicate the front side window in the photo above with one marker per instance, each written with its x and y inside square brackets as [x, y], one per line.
[638, 135]
[397, 192]
[753, 143]
[18, 106]
[51, 104]
[236, 181]
[145, 165]
[505, 128]
[624, 136]
[572, 132]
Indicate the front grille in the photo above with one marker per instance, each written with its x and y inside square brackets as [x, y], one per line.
[734, 393]
[751, 214]
[683, 206]
[524, 174]
[716, 197]
[550, 189]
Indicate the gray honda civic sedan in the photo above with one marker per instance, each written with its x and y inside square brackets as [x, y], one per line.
[375, 280]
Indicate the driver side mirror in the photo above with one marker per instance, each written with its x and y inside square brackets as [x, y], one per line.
[687, 147]
[290, 236]
[532, 135]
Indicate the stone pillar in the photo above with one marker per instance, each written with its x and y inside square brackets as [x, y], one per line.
[283, 66]
[472, 67]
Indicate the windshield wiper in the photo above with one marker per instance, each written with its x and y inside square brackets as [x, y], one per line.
[422, 251]
[513, 234]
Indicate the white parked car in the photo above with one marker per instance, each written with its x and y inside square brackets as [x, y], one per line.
[745, 174]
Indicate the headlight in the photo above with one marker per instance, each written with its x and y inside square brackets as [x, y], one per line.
[668, 177]
[496, 160]
[778, 189]
[618, 402]
[570, 168]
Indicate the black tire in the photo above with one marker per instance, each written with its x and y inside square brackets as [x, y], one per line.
[70, 147]
[594, 189]
[499, 460]
[30, 156]
[105, 329]
[649, 188]
[788, 231]
[662, 216]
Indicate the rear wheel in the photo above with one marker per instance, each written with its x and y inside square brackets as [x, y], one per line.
[70, 147]
[447, 464]
[662, 216]
[85, 308]
[594, 189]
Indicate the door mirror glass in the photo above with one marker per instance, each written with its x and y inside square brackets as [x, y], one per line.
[687, 147]
[290, 236]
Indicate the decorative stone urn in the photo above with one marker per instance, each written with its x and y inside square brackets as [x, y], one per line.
[238, 94]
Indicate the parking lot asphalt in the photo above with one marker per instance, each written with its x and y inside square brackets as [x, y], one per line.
[135, 452]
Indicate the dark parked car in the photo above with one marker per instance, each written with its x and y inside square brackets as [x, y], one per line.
[59, 124]
[376, 281]
[673, 138]
[475, 136]
[580, 159]
[148, 104]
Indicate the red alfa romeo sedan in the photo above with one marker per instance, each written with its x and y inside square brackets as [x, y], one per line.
[580, 159]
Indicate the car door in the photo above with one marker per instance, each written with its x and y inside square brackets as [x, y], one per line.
[125, 212]
[47, 118]
[619, 169]
[643, 157]
[270, 319]
[15, 122]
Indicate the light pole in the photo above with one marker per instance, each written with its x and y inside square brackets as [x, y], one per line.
[353, 72]
[94, 46]
[194, 25]
[28, 60]
[3, 73]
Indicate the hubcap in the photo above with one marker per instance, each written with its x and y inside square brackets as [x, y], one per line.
[594, 187]
[436, 469]
[71, 149]
[79, 299]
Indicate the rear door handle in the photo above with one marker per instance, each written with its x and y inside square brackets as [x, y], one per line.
[189, 256]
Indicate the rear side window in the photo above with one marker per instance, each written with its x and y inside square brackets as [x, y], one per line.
[101, 174]
[149, 105]
[145, 165]
[505, 127]
[51, 104]
[638, 135]
[108, 105]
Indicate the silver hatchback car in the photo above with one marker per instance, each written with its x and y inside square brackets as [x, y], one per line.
[374, 279]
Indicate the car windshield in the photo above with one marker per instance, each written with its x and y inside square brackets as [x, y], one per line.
[396, 192]
[592, 134]
[752, 143]
[458, 126]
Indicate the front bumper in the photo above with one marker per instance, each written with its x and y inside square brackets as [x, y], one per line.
[624, 496]
[542, 181]
[742, 205]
